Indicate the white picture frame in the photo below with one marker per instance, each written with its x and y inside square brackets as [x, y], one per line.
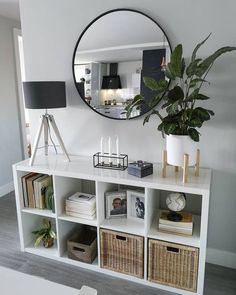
[113, 209]
[136, 205]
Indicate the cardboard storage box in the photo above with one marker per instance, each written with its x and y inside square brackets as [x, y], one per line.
[82, 245]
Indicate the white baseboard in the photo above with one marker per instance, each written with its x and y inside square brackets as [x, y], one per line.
[220, 257]
[7, 188]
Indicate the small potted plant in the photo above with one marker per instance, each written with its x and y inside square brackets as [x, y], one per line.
[46, 235]
[180, 102]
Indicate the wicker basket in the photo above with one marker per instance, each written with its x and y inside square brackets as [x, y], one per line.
[173, 265]
[122, 252]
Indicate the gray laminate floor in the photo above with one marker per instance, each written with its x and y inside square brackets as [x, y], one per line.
[219, 280]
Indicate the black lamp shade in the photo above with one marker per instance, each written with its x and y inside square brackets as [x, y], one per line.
[44, 94]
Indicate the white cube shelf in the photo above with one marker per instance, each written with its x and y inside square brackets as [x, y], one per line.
[80, 175]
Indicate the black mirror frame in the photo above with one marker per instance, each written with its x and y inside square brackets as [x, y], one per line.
[80, 37]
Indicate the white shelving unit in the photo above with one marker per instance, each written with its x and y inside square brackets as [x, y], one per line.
[80, 175]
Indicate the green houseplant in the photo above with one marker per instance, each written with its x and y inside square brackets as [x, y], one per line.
[180, 99]
[45, 234]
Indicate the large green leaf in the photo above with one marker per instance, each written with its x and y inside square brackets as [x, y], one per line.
[195, 122]
[191, 68]
[201, 113]
[173, 108]
[192, 95]
[137, 101]
[152, 84]
[194, 134]
[168, 72]
[176, 63]
[160, 126]
[210, 112]
[195, 81]
[155, 101]
[169, 128]
[200, 96]
[182, 67]
[197, 47]
[176, 94]
[206, 63]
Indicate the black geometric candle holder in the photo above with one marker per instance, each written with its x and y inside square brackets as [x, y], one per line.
[110, 161]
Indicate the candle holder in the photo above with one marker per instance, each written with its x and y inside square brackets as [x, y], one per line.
[110, 161]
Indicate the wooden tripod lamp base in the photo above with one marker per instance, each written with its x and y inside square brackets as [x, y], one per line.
[185, 165]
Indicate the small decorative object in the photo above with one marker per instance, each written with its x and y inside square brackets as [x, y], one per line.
[45, 234]
[87, 71]
[175, 202]
[180, 101]
[109, 160]
[135, 204]
[140, 168]
[116, 204]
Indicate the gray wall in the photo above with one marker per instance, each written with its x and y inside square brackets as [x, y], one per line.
[10, 147]
[50, 31]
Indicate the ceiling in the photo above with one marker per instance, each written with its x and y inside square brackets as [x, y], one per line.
[10, 9]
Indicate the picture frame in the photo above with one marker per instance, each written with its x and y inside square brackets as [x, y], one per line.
[135, 205]
[116, 204]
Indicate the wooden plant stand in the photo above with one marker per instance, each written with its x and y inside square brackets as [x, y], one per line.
[185, 166]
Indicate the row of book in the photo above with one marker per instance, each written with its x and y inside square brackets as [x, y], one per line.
[81, 205]
[37, 191]
[182, 227]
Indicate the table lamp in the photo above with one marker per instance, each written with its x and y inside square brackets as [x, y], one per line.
[45, 95]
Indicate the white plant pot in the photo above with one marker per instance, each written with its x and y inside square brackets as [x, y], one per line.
[177, 146]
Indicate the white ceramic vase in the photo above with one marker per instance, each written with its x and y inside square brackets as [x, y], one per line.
[177, 146]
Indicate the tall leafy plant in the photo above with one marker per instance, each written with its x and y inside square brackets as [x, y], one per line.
[180, 98]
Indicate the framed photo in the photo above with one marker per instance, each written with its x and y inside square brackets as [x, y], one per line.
[116, 204]
[135, 205]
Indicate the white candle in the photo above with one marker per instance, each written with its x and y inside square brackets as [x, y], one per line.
[109, 148]
[101, 143]
[117, 150]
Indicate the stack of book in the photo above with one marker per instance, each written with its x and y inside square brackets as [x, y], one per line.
[183, 227]
[37, 191]
[81, 205]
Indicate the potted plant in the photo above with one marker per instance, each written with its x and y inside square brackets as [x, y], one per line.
[45, 234]
[180, 101]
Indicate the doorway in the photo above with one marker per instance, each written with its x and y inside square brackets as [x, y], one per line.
[23, 112]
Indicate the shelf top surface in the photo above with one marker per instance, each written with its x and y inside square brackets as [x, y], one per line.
[82, 167]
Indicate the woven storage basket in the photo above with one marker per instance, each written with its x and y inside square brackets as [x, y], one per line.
[122, 252]
[173, 265]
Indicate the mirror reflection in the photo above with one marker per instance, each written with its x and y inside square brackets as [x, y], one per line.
[112, 55]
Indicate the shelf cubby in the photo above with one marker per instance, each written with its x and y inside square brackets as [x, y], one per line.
[66, 229]
[67, 186]
[32, 222]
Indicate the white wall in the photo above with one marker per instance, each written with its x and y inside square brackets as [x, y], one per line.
[50, 31]
[10, 147]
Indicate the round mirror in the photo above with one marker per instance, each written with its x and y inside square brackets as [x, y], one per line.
[111, 57]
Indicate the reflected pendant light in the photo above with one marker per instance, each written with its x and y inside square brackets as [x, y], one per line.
[163, 62]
